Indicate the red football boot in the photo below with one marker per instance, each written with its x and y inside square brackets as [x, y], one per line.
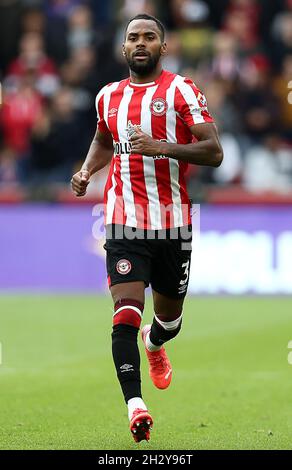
[140, 425]
[160, 370]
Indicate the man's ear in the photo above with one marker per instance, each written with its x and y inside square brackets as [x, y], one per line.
[123, 49]
[163, 49]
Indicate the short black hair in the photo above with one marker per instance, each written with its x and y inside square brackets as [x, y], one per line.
[144, 16]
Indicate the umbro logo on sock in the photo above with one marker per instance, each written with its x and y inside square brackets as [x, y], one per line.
[127, 368]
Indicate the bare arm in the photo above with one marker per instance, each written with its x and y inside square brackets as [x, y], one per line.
[206, 151]
[99, 155]
[100, 152]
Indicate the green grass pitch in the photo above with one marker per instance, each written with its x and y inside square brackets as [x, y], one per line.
[231, 386]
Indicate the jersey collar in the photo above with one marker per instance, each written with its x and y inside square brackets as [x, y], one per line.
[146, 85]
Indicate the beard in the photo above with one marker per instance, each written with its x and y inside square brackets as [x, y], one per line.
[143, 68]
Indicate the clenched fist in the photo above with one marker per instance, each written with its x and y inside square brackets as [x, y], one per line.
[79, 182]
[143, 144]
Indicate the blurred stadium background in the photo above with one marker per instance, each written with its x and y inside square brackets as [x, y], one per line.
[55, 55]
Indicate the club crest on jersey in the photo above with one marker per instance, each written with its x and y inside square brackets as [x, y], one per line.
[123, 266]
[158, 107]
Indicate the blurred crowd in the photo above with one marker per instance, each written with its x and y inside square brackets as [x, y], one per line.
[55, 55]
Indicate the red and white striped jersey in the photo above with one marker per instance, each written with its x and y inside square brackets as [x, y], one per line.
[142, 191]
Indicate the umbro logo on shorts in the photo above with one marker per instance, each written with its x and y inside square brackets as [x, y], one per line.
[123, 266]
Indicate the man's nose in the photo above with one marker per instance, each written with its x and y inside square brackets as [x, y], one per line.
[141, 42]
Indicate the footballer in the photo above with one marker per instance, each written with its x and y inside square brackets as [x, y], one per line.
[150, 127]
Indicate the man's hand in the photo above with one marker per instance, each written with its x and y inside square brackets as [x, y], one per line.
[144, 144]
[79, 182]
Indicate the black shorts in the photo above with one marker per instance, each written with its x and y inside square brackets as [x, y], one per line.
[160, 258]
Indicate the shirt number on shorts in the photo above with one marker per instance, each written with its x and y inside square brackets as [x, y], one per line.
[186, 273]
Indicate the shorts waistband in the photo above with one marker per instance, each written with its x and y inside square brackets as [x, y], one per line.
[120, 232]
